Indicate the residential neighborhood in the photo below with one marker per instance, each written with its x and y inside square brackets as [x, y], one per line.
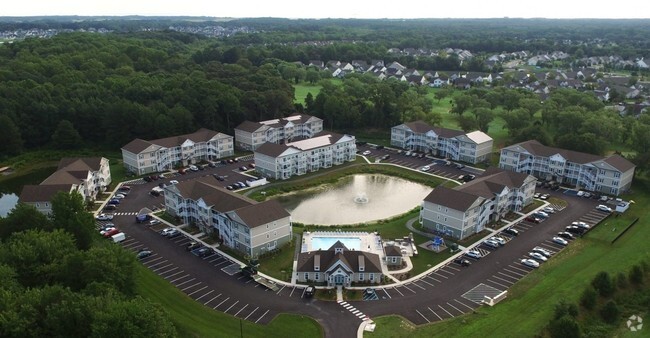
[251, 135]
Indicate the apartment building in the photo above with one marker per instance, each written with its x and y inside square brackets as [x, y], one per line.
[473, 147]
[465, 210]
[242, 224]
[281, 161]
[609, 175]
[142, 157]
[87, 175]
[251, 135]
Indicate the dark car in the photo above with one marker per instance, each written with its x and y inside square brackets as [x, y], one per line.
[249, 270]
[310, 291]
[114, 201]
[203, 252]
[142, 218]
[243, 168]
[511, 232]
[469, 177]
[230, 187]
[565, 235]
[462, 261]
[182, 171]
[193, 245]
[154, 177]
[144, 254]
[147, 179]
[173, 233]
[533, 219]
[110, 207]
[231, 161]
[575, 230]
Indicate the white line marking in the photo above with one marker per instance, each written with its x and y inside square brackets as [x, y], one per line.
[251, 313]
[201, 289]
[223, 301]
[258, 319]
[213, 298]
[205, 294]
[231, 307]
[434, 313]
[425, 318]
[443, 309]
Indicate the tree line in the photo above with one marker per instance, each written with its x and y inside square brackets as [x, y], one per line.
[59, 279]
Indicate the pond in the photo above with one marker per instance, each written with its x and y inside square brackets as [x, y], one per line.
[7, 202]
[355, 199]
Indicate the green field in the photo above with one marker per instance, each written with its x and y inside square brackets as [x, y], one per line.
[193, 319]
[302, 89]
[562, 278]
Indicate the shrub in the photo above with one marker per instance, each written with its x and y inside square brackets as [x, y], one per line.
[565, 309]
[610, 312]
[564, 327]
[621, 280]
[603, 284]
[588, 298]
[636, 275]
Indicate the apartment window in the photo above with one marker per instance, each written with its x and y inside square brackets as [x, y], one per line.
[617, 174]
[372, 277]
[394, 259]
[361, 276]
[306, 275]
[445, 219]
[267, 236]
[317, 276]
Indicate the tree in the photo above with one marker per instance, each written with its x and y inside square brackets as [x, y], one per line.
[66, 136]
[636, 275]
[23, 217]
[515, 121]
[467, 123]
[309, 102]
[11, 141]
[603, 284]
[565, 309]
[70, 215]
[312, 76]
[610, 312]
[462, 102]
[441, 93]
[483, 118]
[531, 105]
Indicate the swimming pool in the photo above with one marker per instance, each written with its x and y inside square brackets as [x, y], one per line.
[324, 243]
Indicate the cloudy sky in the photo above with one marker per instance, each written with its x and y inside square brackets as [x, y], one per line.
[333, 8]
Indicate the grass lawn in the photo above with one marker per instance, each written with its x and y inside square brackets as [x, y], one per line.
[303, 88]
[193, 319]
[562, 278]
[280, 264]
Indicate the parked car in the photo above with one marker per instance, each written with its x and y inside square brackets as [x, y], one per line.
[142, 218]
[544, 197]
[118, 197]
[469, 177]
[537, 256]
[147, 179]
[366, 153]
[537, 195]
[604, 208]
[154, 222]
[193, 245]
[580, 193]
[166, 231]
[511, 232]
[230, 187]
[114, 201]
[460, 166]
[530, 263]
[425, 168]
[491, 243]
[243, 168]
[565, 235]
[549, 210]
[560, 240]
[219, 178]
[252, 165]
[104, 217]
[194, 168]
[499, 240]
[110, 207]
[110, 233]
[173, 182]
[182, 171]
[474, 254]
[310, 291]
[603, 198]
[581, 225]
[144, 254]
[203, 252]
[462, 261]
[173, 233]
[542, 251]
[540, 214]
[587, 194]
[125, 188]
[106, 229]
[575, 230]
[385, 157]
[533, 219]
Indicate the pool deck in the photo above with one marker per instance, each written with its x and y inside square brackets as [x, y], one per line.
[370, 242]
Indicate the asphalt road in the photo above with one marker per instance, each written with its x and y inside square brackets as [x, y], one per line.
[447, 292]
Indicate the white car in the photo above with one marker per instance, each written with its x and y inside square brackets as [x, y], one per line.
[537, 256]
[537, 195]
[474, 254]
[542, 251]
[499, 240]
[425, 168]
[194, 168]
[581, 193]
[104, 217]
[173, 182]
[154, 222]
[530, 263]
[118, 196]
[166, 231]
[604, 208]
[581, 225]
[548, 210]
[491, 243]
[560, 240]
[366, 153]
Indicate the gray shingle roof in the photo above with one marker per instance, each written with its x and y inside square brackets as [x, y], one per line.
[452, 198]
[42, 193]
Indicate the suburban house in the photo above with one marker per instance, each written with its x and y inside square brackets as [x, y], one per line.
[473, 147]
[240, 223]
[610, 175]
[142, 157]
[250, 135]
[281, 161]
[86, 175]
[466, 209]
[339, 266]
[393, 255]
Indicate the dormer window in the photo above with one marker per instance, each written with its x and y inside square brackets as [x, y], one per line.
[338, 250]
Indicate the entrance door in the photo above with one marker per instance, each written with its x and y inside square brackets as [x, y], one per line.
[339, 279]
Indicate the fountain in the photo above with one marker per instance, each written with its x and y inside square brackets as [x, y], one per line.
[361, 198]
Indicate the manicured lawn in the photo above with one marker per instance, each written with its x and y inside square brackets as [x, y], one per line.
[562, 278]
[280, 264]
[302, 89]
[193, 319]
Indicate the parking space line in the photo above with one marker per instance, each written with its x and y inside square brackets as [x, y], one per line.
[452, 267]
[223, 301]
[129, 245]
[386, 292]
[162, 267]
[423, 281]
[216, 259]
[157, 258]
[443, 309]
[506, 280]
[231, 307]
[134, 248]
[175, 274]
[461, 303]
[429, 276]
[499, 284]
[240, 310]
[201, 289]
[455, 308]
[445, 271]
[224, 262]
[213, 298]
[303, 292]
[443, 276]
[434, 313]
[425, 318]
[205, 294]
[413, 283]
[185, 282]
[166, 271]
[251, 313]
[189, 287]
[294, 289]
[407, 288]
[398, 292]
[283, 286]
[518, 268]
[258, 319]
[150, 266]
[514, 272]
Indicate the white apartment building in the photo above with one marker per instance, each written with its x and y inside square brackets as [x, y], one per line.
[473, 147]
[281, 161]
[609, 175]
[250, 135]
[87, 175]
[142, 157]
[466, 209]
[242, 224]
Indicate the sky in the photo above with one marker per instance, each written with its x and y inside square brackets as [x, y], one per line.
[404, 9]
